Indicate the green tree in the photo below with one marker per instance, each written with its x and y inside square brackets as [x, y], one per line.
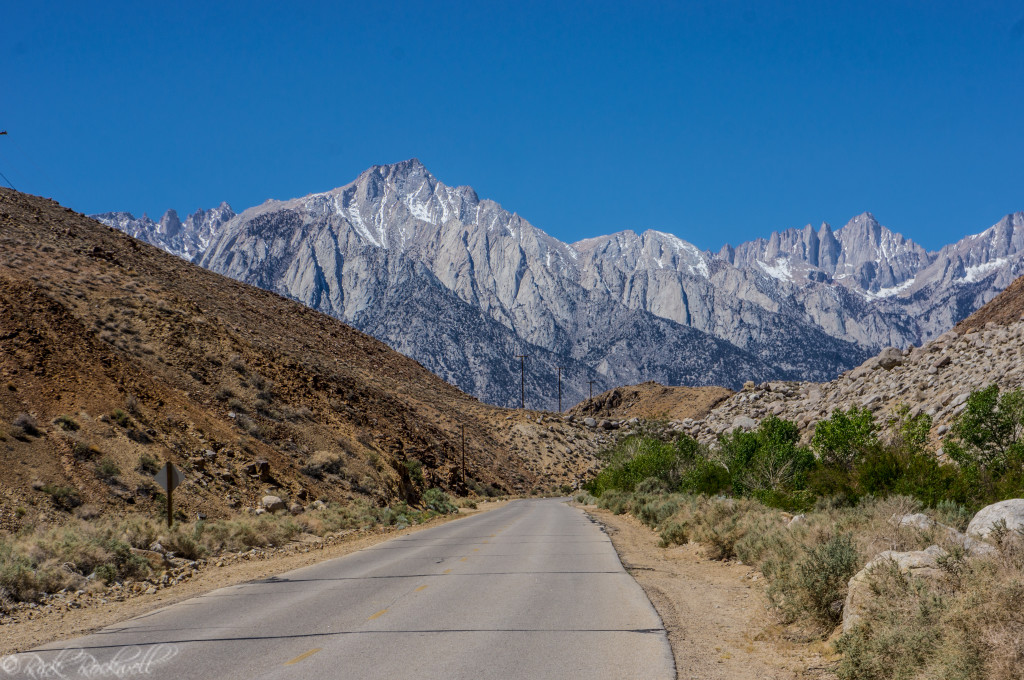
[845, 437]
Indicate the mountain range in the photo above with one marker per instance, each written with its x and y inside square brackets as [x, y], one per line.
[463, 286]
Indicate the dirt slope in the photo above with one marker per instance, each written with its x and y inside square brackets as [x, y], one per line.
[145, 355]
[1003, 309]
[651, 400]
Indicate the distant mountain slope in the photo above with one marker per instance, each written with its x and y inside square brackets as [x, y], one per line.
[619, 309]
[112, 349]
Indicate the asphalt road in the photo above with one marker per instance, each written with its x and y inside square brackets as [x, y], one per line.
[531, 590]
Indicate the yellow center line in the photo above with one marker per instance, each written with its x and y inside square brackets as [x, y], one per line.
[380, 613]
[463, 559]
[303, 657]
[447, 571]
[476, 549]
[421, 588]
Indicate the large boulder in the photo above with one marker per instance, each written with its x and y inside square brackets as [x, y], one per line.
[890, 358]
[914, 564]
[924, 523]
[743, 423]
[1011, 512]
[273, 503]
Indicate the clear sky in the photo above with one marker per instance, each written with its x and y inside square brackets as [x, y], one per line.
[717, 121]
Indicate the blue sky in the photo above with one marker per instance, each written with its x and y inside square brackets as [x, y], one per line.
[717, 121]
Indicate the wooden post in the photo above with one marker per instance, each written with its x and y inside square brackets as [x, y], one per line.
[463, 455]
[522, 379]
[170, 515]
[559, 389]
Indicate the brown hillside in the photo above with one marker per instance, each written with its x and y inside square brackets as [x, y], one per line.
[145, 355]
[652, 401]
[1003, 309]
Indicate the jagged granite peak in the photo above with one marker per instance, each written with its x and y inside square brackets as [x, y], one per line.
[186, 239]
[455, 281]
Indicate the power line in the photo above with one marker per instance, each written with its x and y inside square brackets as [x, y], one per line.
[4, 132]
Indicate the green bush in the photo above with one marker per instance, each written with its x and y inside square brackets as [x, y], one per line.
[437, 500]
[768, 463]
[841, 440]
[988, 434]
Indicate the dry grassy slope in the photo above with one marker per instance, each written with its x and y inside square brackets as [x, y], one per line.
[1003, 309]
[92, 321]
[651, 400]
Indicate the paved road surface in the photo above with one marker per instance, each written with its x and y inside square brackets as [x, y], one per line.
[530, 590]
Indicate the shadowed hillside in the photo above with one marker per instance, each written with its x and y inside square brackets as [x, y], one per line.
[115, 356]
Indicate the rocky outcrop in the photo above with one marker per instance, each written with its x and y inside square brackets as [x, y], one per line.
[921, 564]
[935, 379]
[1009, 513]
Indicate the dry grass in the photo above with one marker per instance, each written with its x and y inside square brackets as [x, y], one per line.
[967, 625]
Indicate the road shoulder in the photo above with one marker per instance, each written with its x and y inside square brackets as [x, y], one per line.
[715, 613]
[84, 615]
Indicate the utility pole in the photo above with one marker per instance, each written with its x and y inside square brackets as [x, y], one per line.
[522, 379]
[591, 388]
[463, 456]
[560, 388]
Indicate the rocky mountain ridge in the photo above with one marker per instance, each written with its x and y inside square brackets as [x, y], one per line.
[936, 379]
[462, 285]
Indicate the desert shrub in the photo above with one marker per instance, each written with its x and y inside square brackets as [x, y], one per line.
[437, 500]
[964, 628]
[415, 469]
[63, 497]
[819, 582]
[584, 498]
[66, 423]
[83, 451]
[223, 394]
[322, 463]
[185, 541]
[120, 417]
[148, 464]
[676, 533]
[107, 469]
[24, 579]
[139, 532]
[614, 500]
[25, 423]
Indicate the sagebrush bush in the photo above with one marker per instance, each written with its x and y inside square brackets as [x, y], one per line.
[437, 500]
[324, 463]
[24, 424]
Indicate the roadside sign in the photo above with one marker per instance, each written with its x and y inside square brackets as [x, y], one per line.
[169, 478]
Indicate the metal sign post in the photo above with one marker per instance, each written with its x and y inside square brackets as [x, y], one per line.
[169, 477]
